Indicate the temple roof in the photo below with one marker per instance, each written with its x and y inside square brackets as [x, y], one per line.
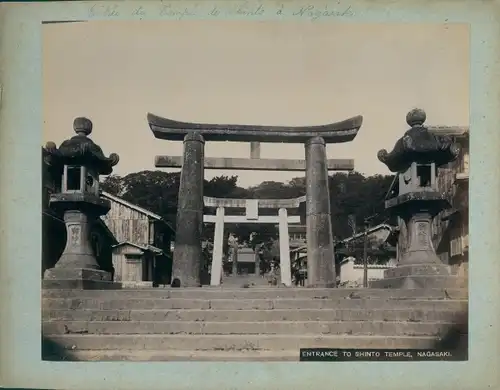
[419, 145]
[81, 150]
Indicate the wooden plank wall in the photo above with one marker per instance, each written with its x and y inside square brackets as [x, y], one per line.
[127, 224]
[447, 234]
[126, 269]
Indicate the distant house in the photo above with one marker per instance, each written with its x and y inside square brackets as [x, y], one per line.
[381, 245]
[297, 236]
[381, 249]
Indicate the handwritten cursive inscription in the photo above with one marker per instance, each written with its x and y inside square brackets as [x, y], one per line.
[180, 10]
[104, 10]
[140, 11]
[245, 10]
[177, 13]
[315, 13]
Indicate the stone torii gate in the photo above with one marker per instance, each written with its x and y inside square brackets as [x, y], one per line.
[188, 251]
[251, 207]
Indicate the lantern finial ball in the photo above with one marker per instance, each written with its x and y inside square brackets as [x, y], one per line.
[82, 126]
[416, 117]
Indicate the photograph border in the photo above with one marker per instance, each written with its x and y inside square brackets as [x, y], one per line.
[21, 122]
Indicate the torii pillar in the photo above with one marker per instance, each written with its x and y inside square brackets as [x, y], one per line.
[187, 251]
[320, 254]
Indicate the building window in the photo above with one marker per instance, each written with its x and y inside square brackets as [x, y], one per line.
[133, 258]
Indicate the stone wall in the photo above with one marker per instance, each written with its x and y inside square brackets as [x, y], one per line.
[351, 274]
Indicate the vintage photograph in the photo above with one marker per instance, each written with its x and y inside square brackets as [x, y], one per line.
[243, 190]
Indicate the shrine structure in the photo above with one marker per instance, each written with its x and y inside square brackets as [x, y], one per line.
[79, 162]
[415, 197]
[188, 251]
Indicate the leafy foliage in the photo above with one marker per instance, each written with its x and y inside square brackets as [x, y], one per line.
[113, 185]
[352, 195]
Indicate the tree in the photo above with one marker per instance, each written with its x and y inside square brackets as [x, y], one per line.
[358, 196]
[156, 191]
[221, 186]
[272, 190]
[112, 184]
[352, 195]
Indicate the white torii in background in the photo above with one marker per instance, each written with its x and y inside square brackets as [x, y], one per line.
[252, 216]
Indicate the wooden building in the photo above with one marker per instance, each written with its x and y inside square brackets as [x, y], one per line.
[53, 229]
[451, 227]
[142, 254]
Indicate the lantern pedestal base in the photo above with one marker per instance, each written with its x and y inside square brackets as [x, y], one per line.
[419, 276]
[79, 279]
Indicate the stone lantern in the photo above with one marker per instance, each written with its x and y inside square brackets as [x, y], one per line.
[415, 159]
[79, 162]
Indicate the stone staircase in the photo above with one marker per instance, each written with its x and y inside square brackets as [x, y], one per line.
[231, 324]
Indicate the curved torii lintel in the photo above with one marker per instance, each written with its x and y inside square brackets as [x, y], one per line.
[168, 129]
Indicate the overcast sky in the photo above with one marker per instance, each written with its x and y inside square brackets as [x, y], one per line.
[276, 73]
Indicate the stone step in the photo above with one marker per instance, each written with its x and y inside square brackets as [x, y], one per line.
[259, 293]
[242, 304]
[177, 355]
[252, 315]
[235, 342]
[379, 328]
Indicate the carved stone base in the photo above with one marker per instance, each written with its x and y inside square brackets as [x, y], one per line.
[420, 282]
[79, 279]
[418, 270]
[419, 276]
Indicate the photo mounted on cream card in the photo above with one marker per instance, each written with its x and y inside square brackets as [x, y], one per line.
[255, 191]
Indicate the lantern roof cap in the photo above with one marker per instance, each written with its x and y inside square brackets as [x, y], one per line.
[419, 145]
[81, 150]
